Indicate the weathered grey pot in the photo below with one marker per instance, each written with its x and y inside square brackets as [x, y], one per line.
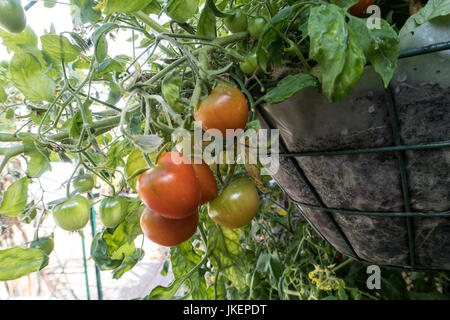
[371, 182]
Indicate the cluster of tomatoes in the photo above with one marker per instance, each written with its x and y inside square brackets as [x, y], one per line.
[174, 189]
[73, 214]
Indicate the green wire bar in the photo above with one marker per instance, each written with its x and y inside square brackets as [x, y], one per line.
[97, 270]
[445, 214]
[86, 278]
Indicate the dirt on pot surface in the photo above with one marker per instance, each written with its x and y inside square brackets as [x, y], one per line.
[370, 181]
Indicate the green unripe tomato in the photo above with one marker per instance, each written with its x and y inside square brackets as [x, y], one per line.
[236, 22]
[255, 27]
[113, 211]
[236, 205]
[250, 64]
[12, 16]
[45, 244]
[83, 183]
[72, 214]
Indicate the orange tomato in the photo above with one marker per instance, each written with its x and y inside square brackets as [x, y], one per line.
[170, 189]
[208, 185]
[225, 108]
[168, 232]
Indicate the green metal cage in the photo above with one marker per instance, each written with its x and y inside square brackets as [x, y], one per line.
[399, 149]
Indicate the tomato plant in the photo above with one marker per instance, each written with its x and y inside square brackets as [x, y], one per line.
[168, 232]
[12, 16]
[225, 108]
[113, 210]
[236, 205]
[169, 189]
[67, 96]
[72, 214]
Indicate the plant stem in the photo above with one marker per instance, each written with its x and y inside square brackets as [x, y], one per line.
[150, 22]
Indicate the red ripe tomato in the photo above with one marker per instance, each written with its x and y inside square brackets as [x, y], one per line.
[361, 7]
[170, 189]
[168, 232]
[225, 108]
[208, 185]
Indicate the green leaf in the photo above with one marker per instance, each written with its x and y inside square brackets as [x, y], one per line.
[433, 9]
[183, 258]
[77, 120]
[3, 95]
[18, 262]
[225, 253]
[336, 48]
[59, 48]
[82, 12]
[128, 263]
[170, 89]
[165, 293]
[39, 161]
[15, 198]
[27, 75]
[125, 6]
[165, 268]
[132, 221]
[13, 40]
[99, 253]
[381, 46]
[134, 163]
[101, 50]
[147, 143]
[182, 10]
[154, 7]
[393, 286]
[268, 35]
[118, 243]
[115, 249]
[217, 287]
[207, 23]
[289, 86]
[114, 93]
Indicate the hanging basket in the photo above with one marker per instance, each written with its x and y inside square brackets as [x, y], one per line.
[371, 173]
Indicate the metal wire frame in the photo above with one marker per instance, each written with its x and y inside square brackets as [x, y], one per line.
[399, 150]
